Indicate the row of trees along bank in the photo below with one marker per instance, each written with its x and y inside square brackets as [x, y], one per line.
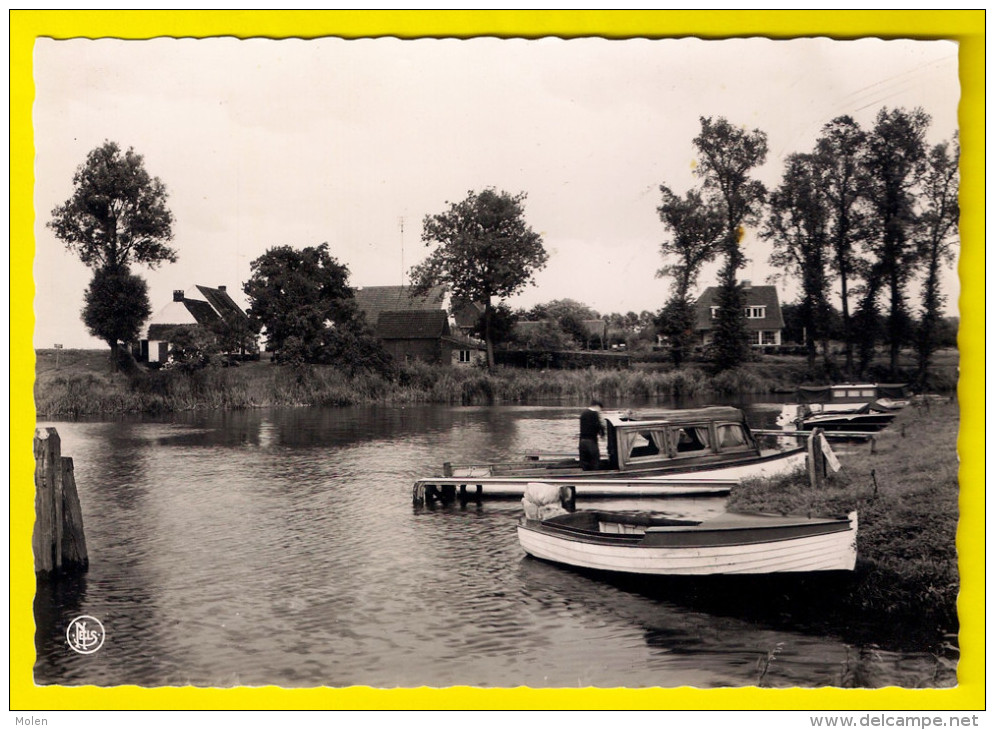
[874, 209]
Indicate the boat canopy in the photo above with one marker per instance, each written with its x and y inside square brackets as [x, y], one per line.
[688, 415]
[850, 392]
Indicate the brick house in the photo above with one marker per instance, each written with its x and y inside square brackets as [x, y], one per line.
[418, 327]
[764, 321]
[426, 335]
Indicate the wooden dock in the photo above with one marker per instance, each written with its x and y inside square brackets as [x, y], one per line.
[465, 489]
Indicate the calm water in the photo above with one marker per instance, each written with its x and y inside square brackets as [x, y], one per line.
[281, 547]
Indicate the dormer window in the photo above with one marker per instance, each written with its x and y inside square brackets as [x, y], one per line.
[715, 312]
[756, 312]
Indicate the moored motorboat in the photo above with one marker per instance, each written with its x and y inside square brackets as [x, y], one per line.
[650, 544]
[672, 451]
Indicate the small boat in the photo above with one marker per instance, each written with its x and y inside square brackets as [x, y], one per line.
[848, 407]
[650, 544]
[673, 451]
[852, 396]
[864, 419]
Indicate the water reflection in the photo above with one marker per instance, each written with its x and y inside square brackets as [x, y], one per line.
[280, 547]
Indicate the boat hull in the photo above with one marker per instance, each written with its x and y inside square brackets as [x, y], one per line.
[781, 546]
[701, 480]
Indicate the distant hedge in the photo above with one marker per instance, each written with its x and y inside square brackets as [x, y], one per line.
[560, 360]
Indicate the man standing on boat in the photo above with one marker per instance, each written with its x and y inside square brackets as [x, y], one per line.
[590, 428]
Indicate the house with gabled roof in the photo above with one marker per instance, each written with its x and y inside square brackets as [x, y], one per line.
[210, 308]
[762, 311]
[372, 301]
[418, 327]
[426, 335]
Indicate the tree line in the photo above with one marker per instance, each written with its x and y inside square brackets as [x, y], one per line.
[865, 213]
[866, 210]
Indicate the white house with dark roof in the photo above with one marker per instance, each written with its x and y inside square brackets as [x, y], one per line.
[762, 311]
[211, 308]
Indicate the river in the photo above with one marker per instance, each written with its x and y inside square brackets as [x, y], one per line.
[280, 546]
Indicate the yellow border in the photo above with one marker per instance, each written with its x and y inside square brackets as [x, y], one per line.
[965, 26]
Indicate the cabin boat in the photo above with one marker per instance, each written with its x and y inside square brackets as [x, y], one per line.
[853, 396]
[652, 453]
[650, 544]
[847, 407]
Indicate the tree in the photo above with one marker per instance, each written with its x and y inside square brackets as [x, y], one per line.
[896, 162]
[726, 156]
[485, 251]
[936, 238]
[797, 226]
[116, 305]
[839, 153]
[300, 296]
[696, 238]
[117, 213]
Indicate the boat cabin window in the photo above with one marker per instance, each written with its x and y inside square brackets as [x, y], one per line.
[731, 435]
[853, 392]
[640, 444]
[690, 439]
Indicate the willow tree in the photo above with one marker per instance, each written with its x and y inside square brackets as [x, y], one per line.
[726, 155]
[483, 251]
[696, 234]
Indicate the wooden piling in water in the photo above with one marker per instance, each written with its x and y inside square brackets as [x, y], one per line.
[58, 540]
[816, 461]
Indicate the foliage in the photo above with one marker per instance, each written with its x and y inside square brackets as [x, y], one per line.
[116, 305]
[484, 251]
[546, 335]
[300, 296]
[191, 348]
[697, 232]
[896, 163]
[936, 238]
[840, 152]
[503, 321]
[676, 322]
[796, 224]
[117, 213]
[727, 154]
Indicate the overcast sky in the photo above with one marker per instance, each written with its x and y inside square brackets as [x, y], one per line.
[289, 142]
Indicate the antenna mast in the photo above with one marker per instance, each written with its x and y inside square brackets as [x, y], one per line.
[400, 221]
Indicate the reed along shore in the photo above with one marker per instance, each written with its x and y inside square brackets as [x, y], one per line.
[86, 385]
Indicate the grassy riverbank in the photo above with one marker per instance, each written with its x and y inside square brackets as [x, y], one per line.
[906, 493]
[74, 383]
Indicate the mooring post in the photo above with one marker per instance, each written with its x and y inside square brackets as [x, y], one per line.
[47, 536]
[58, 540]
[815, 466]
[73, 538]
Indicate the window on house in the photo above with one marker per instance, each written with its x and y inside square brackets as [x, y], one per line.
[464, 356]
[756, 312]
[769, 337]
[754, 337]
[715, 312]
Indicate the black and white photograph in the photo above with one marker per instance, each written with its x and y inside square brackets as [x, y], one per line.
[496, 362]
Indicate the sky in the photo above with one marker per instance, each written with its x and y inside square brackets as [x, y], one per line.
[263, 143]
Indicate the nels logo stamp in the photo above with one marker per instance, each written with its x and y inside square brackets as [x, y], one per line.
[85, 635]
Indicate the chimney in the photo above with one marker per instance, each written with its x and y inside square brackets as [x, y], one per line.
[177, 295]
[222, 287]
[747, 284]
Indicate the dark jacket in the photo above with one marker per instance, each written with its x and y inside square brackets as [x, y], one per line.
[590, 425]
